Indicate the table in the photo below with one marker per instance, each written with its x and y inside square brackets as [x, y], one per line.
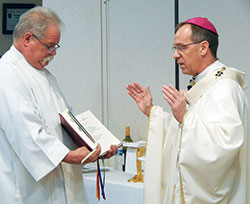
[117, 189]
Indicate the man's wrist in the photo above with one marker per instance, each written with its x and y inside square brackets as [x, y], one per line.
[70, 158]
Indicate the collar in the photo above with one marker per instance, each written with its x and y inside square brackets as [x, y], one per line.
[209, 69]
[18, 55]
[211, 78]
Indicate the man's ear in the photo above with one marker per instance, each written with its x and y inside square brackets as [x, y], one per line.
[204, 47]
[27, 38]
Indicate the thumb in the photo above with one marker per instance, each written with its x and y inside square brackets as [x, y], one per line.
[148, 89]
[182, 92]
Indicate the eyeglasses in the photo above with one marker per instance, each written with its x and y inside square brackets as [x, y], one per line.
[50, 48]
[181, 48]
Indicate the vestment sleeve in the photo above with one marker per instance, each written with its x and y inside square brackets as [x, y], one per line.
[38, 150]
[160, 165]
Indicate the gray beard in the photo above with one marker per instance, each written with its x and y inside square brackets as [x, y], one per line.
[47, 59]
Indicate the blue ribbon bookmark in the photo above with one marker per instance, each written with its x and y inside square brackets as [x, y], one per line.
[99, 179]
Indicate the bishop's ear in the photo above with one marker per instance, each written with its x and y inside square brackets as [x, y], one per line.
[204, 47]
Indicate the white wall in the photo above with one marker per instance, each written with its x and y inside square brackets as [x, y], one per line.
[139, 51]
[135, 47]
[108, 44]
[78, 65]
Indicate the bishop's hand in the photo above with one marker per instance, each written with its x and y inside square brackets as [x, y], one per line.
[176, 101]
[141, 96]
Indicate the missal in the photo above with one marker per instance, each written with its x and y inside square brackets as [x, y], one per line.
[86, 130]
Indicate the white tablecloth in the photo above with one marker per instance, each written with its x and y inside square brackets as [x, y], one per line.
[117, 189]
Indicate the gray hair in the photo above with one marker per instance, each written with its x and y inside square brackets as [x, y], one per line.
[36, 21]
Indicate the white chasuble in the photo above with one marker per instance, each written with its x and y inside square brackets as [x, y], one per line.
[161, 157]
[32, 142]
[204, 160]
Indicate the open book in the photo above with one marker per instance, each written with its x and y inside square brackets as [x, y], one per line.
[86, 130]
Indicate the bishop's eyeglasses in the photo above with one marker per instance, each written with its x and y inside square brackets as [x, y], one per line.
[181, 48]
[50, 48]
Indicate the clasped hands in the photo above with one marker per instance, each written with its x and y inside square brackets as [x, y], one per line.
[143, 99]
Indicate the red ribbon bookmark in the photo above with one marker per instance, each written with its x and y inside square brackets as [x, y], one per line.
[99, 181]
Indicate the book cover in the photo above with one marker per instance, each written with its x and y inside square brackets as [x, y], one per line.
[86, 130]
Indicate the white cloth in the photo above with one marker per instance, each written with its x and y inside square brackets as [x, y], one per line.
[212, 155]
[32, 143]
[161, 151]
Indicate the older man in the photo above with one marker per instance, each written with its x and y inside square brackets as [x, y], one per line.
[38, 163]
[197, 154]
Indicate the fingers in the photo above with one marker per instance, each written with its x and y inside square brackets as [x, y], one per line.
[108, 154]
[171, 95]
[111, 152]
[95, 155]
[148, 90]
[176, 101]
[133, 95]
[114, 149]
[139, 89]
[134, 90]
[182, 92]
[171, 90]
[98, 151]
